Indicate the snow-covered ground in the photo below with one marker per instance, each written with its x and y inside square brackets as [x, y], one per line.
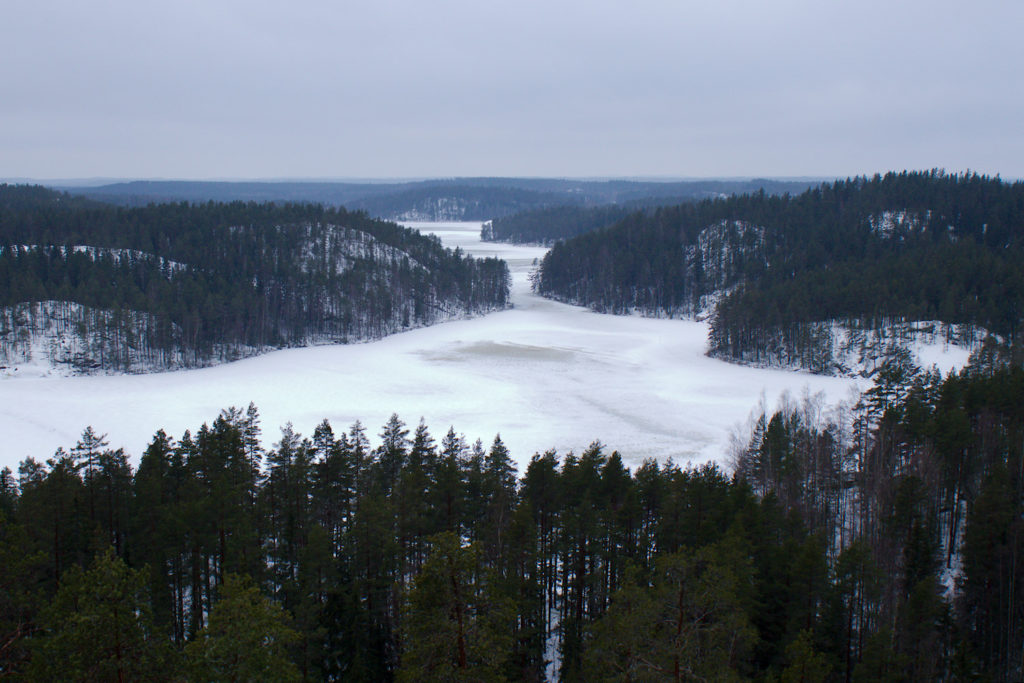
[544, 375]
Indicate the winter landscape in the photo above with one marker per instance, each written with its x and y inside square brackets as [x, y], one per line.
[544, 375]
[546, 342]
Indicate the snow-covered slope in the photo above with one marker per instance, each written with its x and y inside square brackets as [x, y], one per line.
[325, 283]
[126, 256]
[437, 208]
[844, 350]
[342, 246]
[722, 249]
[64, 339]
[59, 338]
[929, 343]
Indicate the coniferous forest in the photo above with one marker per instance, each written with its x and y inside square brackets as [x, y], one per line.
[181, 285]
[883, 543]
[547, 226]
[776, 273]
[468, 199]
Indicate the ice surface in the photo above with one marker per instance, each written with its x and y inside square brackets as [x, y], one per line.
[544, 375]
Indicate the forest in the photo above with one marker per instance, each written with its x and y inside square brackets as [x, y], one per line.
[182, 285]
[548, 225]
[454, 202]
[773, 272]
[470, 199]
[880, 542]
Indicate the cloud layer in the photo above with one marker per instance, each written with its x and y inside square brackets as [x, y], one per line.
[395, 88]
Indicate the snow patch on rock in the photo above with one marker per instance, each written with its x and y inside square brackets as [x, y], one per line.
[440, 209]
[62, 339]
[891, 223]
[338, 248]
[129, 256]
[931, 343]
[721, 251]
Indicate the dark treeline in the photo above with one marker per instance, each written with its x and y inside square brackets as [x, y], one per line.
[887, 546]
[867, 252]
[187, 284]
[551, 224]
[547, 226]
[435, 199]
[432, 202]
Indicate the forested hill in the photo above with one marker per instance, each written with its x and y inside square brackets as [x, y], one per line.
[547, 225]
[802, 280]
[468, 199]
[176, 285]
[453, 202]
[433, 200]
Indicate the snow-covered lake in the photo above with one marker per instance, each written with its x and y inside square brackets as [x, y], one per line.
[543, 374]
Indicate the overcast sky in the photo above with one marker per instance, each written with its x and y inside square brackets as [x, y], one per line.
[408, 88]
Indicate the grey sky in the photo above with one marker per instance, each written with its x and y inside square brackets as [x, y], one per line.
[402, 88]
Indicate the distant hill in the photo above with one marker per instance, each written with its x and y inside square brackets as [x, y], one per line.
[549, 224]
[453, 202]
[93, 287]
[806, 280]
[475, 199]
[143, 192]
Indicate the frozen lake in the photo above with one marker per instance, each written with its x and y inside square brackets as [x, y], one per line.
[543, 374]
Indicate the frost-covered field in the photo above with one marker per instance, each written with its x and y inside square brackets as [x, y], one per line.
[544, 375]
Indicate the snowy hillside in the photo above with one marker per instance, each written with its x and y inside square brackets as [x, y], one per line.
[61, 338]
[175, 285]
[847, 350]
[832, 280]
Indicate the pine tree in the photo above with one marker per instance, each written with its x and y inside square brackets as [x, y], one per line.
[994, 564]
[413, 498]
[334, 482]
[108, 600]
[392, 452]
[688, 624]
[86, 458]
[448, 483]
[157, 534]
[499, 498]
[247, 638]
[454, 628]
[805, 664]
[21, 577]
